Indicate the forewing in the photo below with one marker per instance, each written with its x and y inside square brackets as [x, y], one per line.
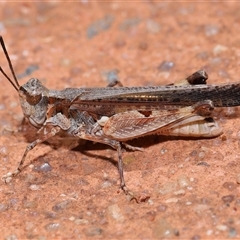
[132, 124]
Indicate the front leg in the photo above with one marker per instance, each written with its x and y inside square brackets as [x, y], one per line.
[48, 131]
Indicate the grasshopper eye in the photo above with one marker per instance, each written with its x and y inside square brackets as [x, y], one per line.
[33, 100]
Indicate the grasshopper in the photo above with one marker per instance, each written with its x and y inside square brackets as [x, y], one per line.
[114, 115]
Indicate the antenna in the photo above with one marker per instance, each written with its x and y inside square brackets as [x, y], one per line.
[17, 86]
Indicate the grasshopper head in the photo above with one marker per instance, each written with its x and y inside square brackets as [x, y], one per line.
[34, 101]
[33, 95]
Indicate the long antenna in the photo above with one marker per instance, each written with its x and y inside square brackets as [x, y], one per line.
[10, 66]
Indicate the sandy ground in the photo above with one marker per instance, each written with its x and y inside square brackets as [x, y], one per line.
[72, 191]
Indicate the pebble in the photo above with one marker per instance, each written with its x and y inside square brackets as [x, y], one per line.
[221, 227]
[180, 192]
[30, 204]
[196, 237]
[129, 23]
[34, 187]
[165, 66]
[115, 213]
[72, 218]
[211, 30]
[152, 26]
[232, 233]
[171, 200]
[219, 49]
[110, 76]
[163, 150]
[3, 207]
[201, 155]
[163, 229]
[106, 184]
[150, 202]
[150, 216]
[224, 74]
[100, 25]
[52, 226]
[3, 150]
[230, 186]
[93, 231]
[162, 208]
[81, 221]
[209, 232]
[228, 198]
[168, 187]
[29, 226]
[11, 237]
[201, 208]
[59, 207]
[29, 70]
[45, 167]
[183, 181]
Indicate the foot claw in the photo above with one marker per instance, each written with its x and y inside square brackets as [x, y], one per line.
[140, 198]
[8, 177]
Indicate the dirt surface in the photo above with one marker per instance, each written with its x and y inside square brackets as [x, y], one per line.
[69, 191]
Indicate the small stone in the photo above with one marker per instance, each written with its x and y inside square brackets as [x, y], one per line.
[11, 237]
[72, 218]
[201, 163]
[180, 192]
[221, 227]
[110, 76]
[150, 215]
[45, 167]
[65, 62]
[30, 204]
[228, 198]
[81, 221]
[224, 74]
[163, 229]
[165, 66]
[211, 30]
[106, 184]
[34, 187]
[3, 207]
[115, 213]
[183, 181]
[172, 200]
[232, 232]
[99, 26]
[209, 232]
[163, 150]
[230, 186]
[219, 49]
[150, 202]
[93, 231]
[168, 187]
[52, 227]
[59, 207]
[196, 237]
[201, 155]
[162, 208]
[152, 26]
[201, 208]
[29, 226]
